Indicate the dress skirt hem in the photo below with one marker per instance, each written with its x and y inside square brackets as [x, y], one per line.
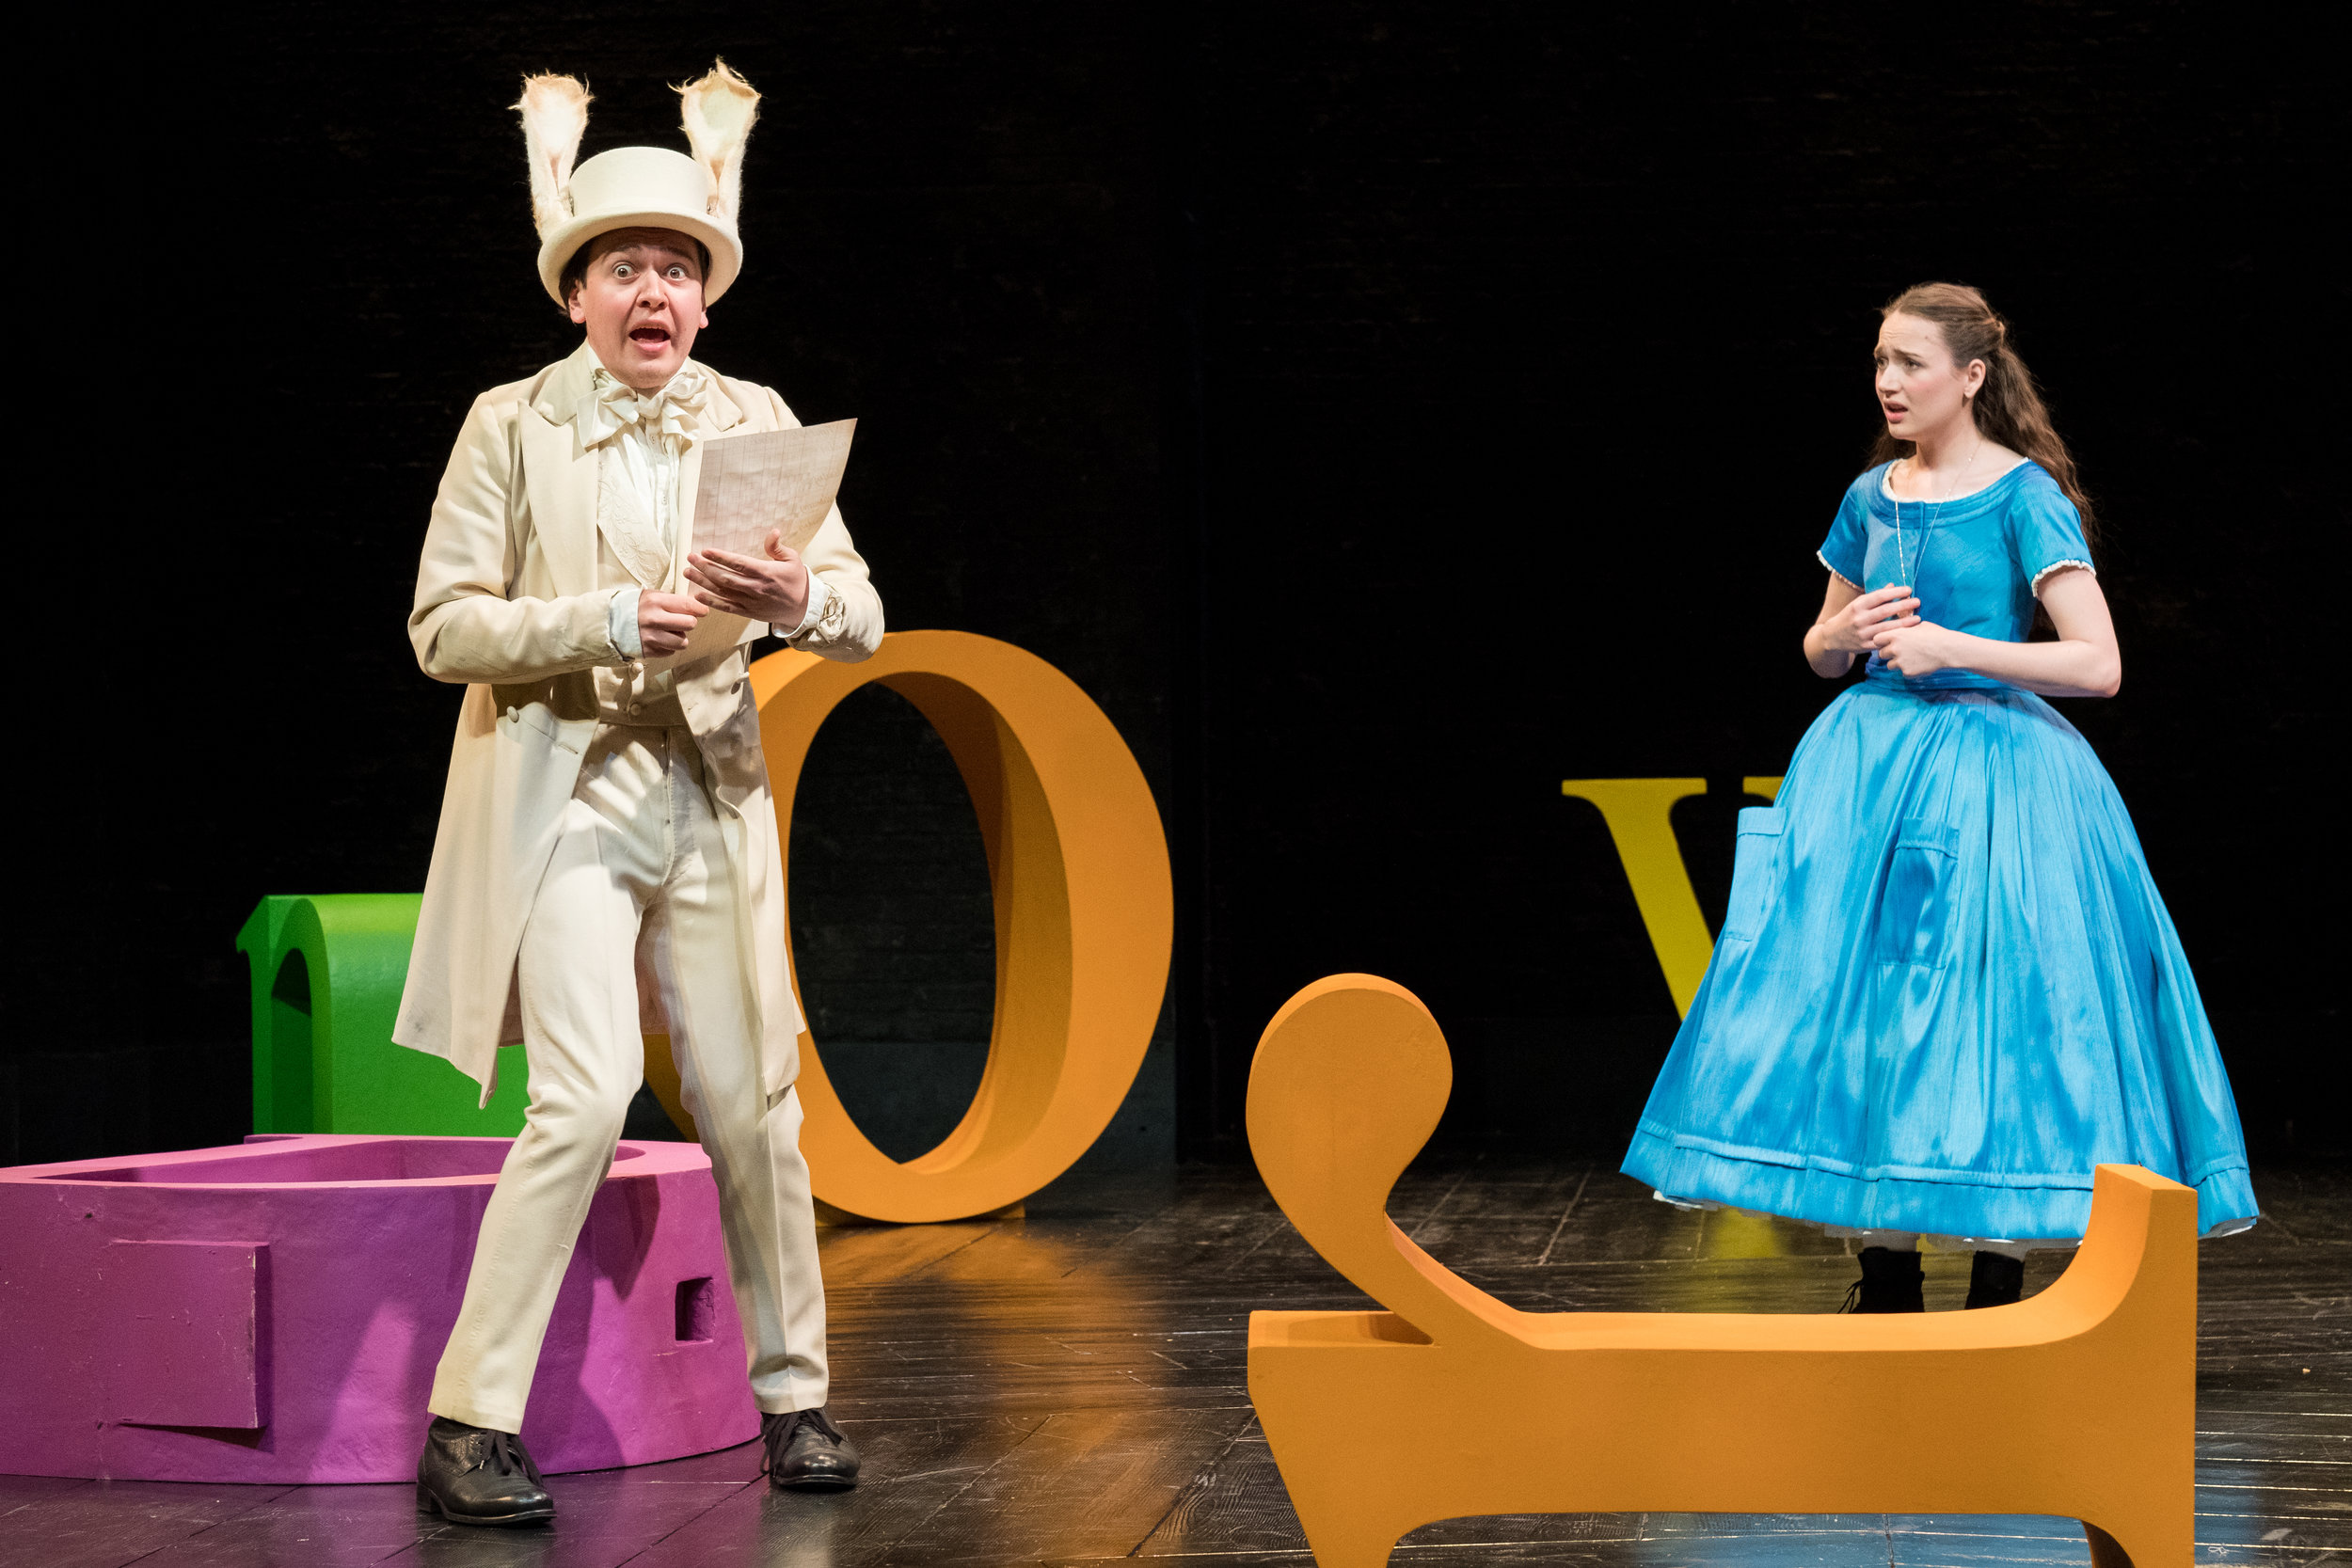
[2052, 1208]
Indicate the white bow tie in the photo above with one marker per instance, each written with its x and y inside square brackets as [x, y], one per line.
[671, 416]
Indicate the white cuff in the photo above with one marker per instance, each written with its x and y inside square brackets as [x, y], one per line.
[819, 595]
[620, 625]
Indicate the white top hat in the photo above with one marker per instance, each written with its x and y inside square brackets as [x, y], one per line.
[639, 187]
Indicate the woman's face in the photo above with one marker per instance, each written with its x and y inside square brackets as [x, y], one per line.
[1921, 392]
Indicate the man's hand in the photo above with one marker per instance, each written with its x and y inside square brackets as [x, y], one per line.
[664, 621]
[774, 591]
[1861, 626]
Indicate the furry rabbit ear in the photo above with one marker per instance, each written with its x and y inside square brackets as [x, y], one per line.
[555, 114]
[718, 113]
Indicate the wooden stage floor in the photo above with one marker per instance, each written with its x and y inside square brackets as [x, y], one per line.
[1070, 1387]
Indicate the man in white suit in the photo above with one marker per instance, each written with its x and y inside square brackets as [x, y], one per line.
[607, 860]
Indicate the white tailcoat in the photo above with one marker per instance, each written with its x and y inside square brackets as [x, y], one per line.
[508, 602]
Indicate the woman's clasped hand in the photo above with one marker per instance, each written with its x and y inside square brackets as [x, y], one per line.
[1885, 622]
[1918, 647]
[1864, 625]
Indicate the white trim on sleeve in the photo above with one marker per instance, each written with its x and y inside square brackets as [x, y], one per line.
[2059, 566]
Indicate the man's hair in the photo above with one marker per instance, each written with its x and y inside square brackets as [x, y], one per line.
[576, 270]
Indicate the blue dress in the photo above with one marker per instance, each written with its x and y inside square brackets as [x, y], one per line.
[1946, 987]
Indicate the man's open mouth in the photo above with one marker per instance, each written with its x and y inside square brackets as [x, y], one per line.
[652, 337]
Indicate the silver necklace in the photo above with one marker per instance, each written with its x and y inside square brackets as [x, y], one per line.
[1935, 509]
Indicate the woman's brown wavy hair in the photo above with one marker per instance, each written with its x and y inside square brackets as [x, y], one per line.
[2008, 407]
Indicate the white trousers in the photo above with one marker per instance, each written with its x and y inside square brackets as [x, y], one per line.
[638, 883]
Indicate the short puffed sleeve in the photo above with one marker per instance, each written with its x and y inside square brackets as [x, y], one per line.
[2045, 529]
[1847, 546]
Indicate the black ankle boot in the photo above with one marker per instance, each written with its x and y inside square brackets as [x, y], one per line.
[1891, 1282]
[1995, 1279]
[475, 1476]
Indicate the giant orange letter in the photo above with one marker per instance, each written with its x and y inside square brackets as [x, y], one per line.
[1085, 916]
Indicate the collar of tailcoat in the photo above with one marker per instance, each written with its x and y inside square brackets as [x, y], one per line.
[570, 379]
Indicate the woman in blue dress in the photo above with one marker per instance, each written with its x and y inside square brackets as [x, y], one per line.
[1946, 987]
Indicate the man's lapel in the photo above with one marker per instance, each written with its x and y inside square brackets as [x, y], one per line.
[560, 478]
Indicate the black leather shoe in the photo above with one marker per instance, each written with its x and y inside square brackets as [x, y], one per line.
[806, 1452]
[1891, 1282]
[1995, 1279]
[478, 1477]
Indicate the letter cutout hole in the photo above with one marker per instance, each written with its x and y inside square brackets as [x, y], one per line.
[1084, 916]
[2079, 1401]
[697, 1311]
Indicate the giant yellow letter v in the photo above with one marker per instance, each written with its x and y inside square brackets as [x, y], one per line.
[1639, 815]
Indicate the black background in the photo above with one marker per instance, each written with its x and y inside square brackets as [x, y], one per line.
[1384, 411]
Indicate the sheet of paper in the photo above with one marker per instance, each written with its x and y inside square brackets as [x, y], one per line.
[775, 479]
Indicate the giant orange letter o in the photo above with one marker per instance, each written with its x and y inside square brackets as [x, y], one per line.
[1084, 916]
